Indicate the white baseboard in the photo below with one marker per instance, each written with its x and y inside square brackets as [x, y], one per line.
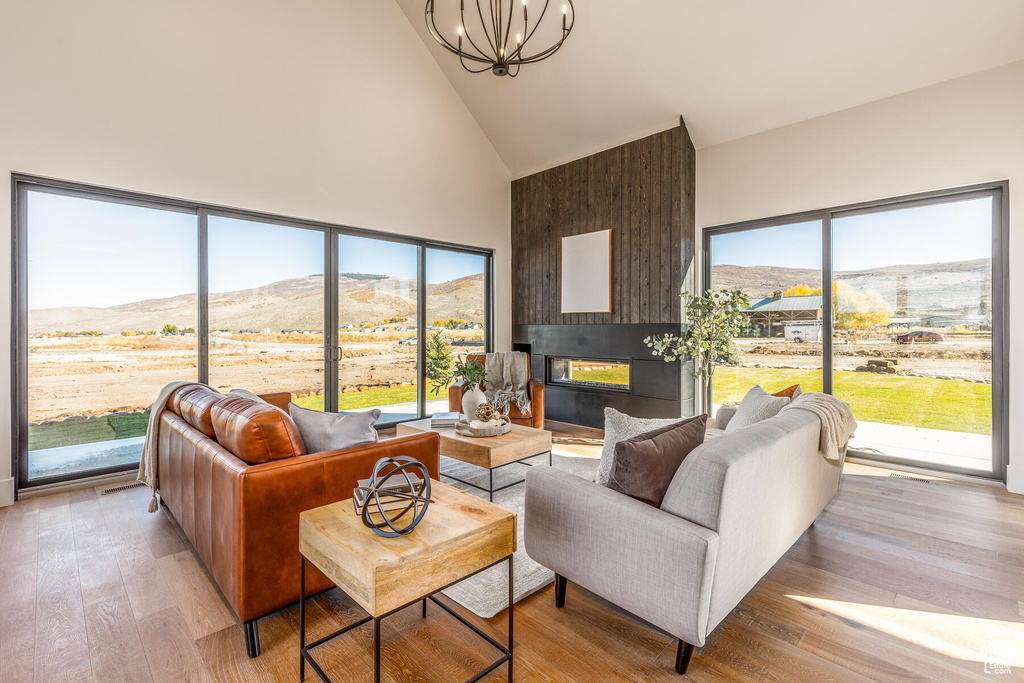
[1015, 479]
[6, 492]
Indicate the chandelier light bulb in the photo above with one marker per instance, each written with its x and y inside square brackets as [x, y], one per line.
[460, 32]
[519, 38]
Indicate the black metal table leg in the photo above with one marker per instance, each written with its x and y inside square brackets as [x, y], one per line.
[424, 608]
[376, 650]
[302, 616]
[490, 489]
[511, 604]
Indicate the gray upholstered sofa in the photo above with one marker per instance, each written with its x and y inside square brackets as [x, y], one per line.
[736, 505]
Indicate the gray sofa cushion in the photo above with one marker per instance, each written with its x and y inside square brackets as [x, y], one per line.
[324, 432]
[758, 405]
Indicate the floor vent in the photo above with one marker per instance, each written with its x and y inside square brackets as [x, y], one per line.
[115, 489]
[907, 476]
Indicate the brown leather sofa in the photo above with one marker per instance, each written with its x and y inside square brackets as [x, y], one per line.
[534, 418]
[235, 475]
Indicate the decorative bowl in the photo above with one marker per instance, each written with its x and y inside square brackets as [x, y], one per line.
[462, 428]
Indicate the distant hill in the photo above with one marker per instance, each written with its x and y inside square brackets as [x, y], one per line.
[954, 287]
[287, 304]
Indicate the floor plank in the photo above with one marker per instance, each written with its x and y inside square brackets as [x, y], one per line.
[115, 648]
[61, 643]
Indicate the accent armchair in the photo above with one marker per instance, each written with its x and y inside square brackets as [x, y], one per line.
[534, 418]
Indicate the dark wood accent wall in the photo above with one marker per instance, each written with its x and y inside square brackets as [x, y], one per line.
[644, 192]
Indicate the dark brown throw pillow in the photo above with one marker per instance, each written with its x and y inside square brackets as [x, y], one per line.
[644, 465]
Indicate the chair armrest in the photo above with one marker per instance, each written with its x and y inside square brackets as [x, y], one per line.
[280, 399]
[724, 414]
[455, 392]
[536, 387]
[647, 561]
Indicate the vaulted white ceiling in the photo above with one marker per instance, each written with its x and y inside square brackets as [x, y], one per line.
[731, 68]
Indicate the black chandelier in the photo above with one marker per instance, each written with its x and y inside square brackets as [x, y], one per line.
[497, 25]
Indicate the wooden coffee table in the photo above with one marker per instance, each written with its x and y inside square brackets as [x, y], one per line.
[459, 536]
[490, 453]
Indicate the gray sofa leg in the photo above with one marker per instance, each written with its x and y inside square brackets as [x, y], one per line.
[560, 583]
[252, 638]
[683, 654]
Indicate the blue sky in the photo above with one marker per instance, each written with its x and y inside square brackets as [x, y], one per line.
[91, 253]
[939, 233]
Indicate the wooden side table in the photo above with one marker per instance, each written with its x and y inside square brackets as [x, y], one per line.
[491, 453]
[459, 536]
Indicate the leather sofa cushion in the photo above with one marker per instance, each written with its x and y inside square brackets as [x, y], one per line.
[255, 432]
[194, 404]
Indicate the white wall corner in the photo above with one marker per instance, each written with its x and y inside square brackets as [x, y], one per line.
[1015, 478]
[6, 492]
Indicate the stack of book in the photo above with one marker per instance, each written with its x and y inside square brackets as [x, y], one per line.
[444, 419]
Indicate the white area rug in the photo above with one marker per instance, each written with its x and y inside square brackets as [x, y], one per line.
[486, 594]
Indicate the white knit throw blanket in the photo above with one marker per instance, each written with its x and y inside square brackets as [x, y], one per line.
[507, 380]
[148, 464]
[837, 422]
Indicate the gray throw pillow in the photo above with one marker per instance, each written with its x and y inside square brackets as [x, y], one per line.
[331, 431]
[646, 464]
[619, 427]
[756, 406]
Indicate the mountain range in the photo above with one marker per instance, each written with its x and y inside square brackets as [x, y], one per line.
[296, 303]
[950, 288]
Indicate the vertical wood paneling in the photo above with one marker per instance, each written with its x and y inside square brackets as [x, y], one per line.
[644, 192]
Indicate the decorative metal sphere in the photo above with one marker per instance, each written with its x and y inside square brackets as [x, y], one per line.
[417, 498]
[486, 412]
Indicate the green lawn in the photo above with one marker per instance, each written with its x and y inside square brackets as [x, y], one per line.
[106, 428]
[367, 399]
[945, 404]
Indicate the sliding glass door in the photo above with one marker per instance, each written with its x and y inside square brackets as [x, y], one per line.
[378, 327]
[913, 330]
[118, 294]
[779, 268]
[266, 308]
[111, 318]
[456, 314]
[911, 333]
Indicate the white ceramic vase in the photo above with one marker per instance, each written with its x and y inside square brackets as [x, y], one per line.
[471, 400]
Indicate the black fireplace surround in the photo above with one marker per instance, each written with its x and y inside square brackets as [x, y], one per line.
[655, 388]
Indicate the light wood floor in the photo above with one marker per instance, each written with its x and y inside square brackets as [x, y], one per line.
[899, 580]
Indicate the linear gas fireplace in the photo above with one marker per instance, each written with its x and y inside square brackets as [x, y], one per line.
[588, 368]
[589, 373]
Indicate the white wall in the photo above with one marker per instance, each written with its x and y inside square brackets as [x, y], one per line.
[329, 110]
[961, 132]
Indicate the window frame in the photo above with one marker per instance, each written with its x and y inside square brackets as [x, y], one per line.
[999, 191]
[22, 183]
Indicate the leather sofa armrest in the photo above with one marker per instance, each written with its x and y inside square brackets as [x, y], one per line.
[647, 561]
[264, 502]
[455, 392]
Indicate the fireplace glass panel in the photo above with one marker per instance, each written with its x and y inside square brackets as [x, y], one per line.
[607, 375]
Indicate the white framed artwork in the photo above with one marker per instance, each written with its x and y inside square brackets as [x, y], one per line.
[587, 273]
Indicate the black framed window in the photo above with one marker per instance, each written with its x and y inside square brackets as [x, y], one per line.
[896, 306]
[118, 293]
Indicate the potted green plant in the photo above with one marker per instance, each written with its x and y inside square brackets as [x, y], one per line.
[714, 318]
[472, 374]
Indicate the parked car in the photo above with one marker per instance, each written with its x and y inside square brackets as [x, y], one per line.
[918, 336]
